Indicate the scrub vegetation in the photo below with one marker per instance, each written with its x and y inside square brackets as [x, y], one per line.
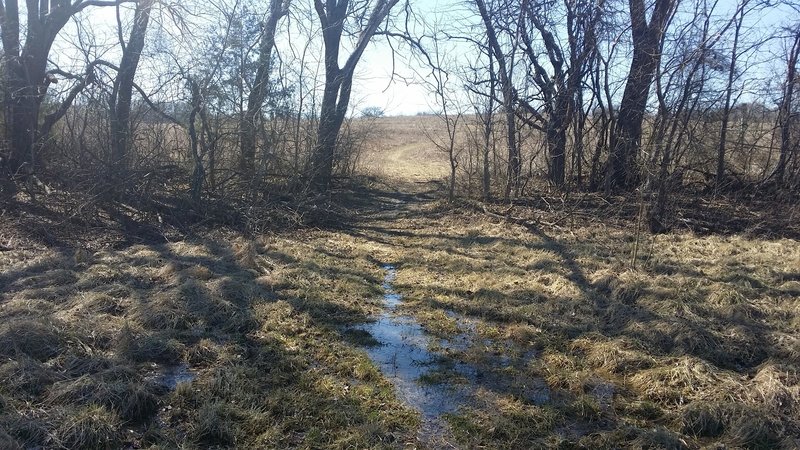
[589, 240]
[221, 339]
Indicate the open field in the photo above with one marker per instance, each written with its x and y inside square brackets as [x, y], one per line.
[543, 332]
[400, 150]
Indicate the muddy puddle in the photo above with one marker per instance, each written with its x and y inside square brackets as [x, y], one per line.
[169, 377]
[438, 382]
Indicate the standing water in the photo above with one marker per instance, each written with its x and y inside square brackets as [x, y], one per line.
[402, 355]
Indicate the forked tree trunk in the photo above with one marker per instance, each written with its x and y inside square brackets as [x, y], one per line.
[24, 68]
[338, 81]
[258, 95]
[123, 90]
[623, 172]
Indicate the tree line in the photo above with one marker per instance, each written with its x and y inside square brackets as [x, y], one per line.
[621, 97]
[228, 99]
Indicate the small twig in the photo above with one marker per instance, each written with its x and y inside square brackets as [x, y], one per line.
[638, 233]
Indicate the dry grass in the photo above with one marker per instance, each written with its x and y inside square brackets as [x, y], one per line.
[696, 346]
[253, 321]
[686, 343]
[694, 331]
[401, 150]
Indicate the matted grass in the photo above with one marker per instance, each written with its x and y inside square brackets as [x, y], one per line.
[697, 345]
[402, 150]
[86, 368]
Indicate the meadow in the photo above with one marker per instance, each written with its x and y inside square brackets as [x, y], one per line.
[577, 330]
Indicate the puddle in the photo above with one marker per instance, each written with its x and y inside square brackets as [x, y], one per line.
[170, 377]
[401, 350]
[403, 357]
[604, 394]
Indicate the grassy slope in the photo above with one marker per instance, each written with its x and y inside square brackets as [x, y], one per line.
[698, 345]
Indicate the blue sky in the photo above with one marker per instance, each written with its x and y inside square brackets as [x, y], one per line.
[405, 94]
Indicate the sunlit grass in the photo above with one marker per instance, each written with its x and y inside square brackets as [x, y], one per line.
[697, 344]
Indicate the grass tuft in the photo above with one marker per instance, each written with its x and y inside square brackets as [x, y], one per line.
[36, 339]
[213, 426]
[91, 427]
[27, 430]
[25, 376]
[704, 419]
[140, 347]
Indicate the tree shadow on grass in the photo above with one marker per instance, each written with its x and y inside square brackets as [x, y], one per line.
[152, 307]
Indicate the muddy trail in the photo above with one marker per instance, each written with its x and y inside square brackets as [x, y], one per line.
[510, 335]
[433, 375]
[436, 374]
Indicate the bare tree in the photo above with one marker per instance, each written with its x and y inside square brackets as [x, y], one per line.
[122, 94]
[504, 75]
[260, 89]
[333, 14]
[647, 38]
[786, 114]
[685, 84]
[25, 68]
[486, 117]
[726, 111]
[449, 112]
[559, 92]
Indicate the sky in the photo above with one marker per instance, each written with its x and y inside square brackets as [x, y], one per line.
[374, 85]
[401, 98]
[405, 94]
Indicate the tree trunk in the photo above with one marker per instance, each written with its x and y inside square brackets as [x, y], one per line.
[514, 163]
[451, 191]
[26, 84]
[578, 127]
[726, 112]
[647, 38]
[24, 117]
[198, 173]
[338, 81]
[488, 120]
[557, 139]
[123, 89]
[24, 72]
[258, 95]
[334, 106]
[785, 112]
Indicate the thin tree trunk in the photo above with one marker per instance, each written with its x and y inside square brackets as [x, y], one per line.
[785, 113]
[488, 120]
[260, 90]
[198, 173]
[514, 163]
[726, 112]
[123, 89]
